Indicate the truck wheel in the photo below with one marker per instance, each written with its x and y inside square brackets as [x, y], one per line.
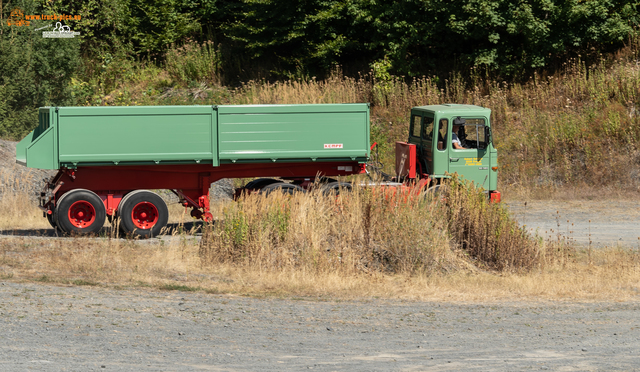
[80, 211]
[260, 183]
[334, 188]
[143, 213]
[52, 221]
[283, 187]
[326, 180]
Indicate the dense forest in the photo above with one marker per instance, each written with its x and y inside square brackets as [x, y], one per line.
[391, 54]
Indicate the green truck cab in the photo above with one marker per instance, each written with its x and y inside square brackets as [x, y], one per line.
[431, 131]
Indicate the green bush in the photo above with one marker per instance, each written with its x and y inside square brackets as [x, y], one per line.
[486, 231]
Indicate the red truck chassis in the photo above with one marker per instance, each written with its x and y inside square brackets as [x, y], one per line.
[189, 182]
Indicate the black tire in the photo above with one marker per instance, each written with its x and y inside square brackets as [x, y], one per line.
[115, 219]
[321, 181]
[142, 213]
[260, 183]
[52, 221]
[438, 189]
[326, 180]
[334, 188]
[80, 211]
[54, 215]
[283, 187]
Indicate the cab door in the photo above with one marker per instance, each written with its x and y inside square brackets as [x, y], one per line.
[472, 162]
[421, 135]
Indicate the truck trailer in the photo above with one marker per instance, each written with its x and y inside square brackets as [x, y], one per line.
[109, 158]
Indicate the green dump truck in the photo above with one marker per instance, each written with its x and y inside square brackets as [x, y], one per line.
[108, 158]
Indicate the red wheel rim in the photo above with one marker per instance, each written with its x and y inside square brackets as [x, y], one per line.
[82, 214]
[144, 215]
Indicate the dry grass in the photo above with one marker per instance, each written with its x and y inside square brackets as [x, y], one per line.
[613, 275]
[18, 202]
[374, 230]
[363, 232]
[19, 212]
[179, 263]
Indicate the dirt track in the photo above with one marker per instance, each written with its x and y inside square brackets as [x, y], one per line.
[50, 328]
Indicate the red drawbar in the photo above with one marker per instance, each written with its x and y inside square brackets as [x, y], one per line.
[495, 196]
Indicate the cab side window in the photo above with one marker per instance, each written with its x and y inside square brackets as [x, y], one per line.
[442, 134]
[427, 128]
[415, 125]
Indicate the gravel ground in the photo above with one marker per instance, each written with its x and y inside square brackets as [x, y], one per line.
[601, 222]
[52, 328]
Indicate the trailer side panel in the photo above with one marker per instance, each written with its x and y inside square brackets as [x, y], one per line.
[273, 133]
[130, 135]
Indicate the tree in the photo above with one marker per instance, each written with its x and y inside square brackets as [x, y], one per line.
[34, 72]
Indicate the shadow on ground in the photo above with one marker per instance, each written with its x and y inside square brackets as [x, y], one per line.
[189, 228]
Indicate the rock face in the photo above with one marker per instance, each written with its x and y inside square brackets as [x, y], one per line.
[17, 178]
[222, 189]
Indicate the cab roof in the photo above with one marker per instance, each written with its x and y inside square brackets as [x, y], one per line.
[452, 108]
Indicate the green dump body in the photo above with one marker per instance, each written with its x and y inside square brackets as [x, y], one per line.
[68, 137]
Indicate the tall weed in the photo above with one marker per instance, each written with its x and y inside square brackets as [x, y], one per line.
[486, 231]
[370, 230]
[194, 63]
